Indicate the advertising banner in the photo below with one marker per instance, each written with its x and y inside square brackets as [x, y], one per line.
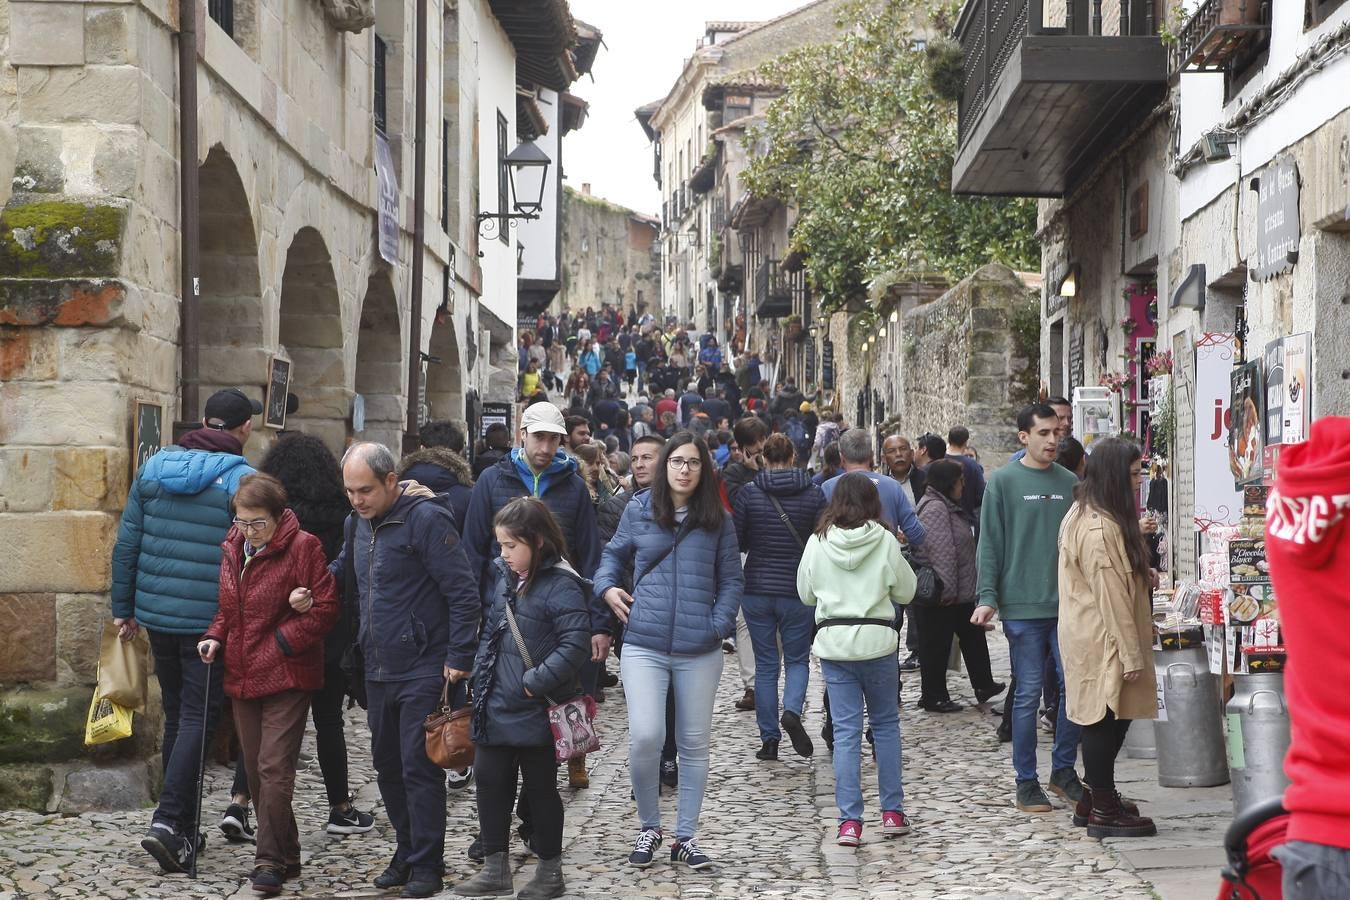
[1217, 501]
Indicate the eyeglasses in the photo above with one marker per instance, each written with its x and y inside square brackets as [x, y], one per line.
[252, 524]
[692, 463]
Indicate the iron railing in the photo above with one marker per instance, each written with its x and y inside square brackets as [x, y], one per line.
[222, 13]
[990, 31]
[1217, 31]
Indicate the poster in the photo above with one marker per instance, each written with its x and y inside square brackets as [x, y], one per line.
[1274, 392]
[496, 413]
[148, 432]
[1297, 393]
[278, 387]
[388, 181]
[1217, 501]
[1245, 425]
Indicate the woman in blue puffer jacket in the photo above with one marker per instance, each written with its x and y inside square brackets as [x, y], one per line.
[681, 544]
[773, 537]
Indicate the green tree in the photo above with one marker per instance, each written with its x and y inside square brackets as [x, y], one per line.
[863, 146]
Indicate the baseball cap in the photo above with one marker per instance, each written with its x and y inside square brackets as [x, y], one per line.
[543, 417]
[229, 409]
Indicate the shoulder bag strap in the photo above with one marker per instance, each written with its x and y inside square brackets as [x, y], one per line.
[520, 644]
[782, 514]
[661, 557]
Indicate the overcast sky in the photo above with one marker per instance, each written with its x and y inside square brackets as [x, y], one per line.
[646, 44]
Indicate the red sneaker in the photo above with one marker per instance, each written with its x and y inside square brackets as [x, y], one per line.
[850, 833]
[894, 824]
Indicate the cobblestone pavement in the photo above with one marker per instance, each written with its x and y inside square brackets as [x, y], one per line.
[770, 826]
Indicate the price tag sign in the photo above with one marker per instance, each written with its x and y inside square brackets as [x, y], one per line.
[1162, 702]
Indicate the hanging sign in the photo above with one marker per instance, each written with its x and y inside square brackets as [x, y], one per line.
[384, 171]
[1217, 501]
[827, 365]
[1277, 232]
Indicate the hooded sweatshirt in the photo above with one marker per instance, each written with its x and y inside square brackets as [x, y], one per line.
[854, 573]
[1308, 547]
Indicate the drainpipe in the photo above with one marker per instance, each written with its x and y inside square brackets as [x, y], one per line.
[411, 439]
[189, 233]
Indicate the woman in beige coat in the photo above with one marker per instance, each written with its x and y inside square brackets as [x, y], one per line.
[1106, 630]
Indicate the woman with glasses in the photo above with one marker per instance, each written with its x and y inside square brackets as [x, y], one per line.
[680, 544]
[1106, 630]
[277, 601]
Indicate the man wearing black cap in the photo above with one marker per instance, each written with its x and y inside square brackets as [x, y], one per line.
[165, 576]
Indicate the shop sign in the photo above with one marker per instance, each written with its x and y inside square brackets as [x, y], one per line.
[1277, 230]
[827, 365]
[1217, 501]
[1297, 392]
[495, 414]
[384, 172]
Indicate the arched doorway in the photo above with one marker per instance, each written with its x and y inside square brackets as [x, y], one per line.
[233, 351]
[380, 364]
[445, 382]
[310, 336]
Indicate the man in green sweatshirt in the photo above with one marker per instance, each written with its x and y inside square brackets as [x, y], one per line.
[1018, 555]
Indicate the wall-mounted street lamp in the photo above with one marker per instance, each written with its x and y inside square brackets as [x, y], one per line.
[1217, 145]
[1068, 287]
[527, 170]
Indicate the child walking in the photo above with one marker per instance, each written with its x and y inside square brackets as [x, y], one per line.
[534, 581]
[852, 572]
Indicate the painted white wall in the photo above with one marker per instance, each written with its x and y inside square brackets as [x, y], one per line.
[540, 236]
[496, 93]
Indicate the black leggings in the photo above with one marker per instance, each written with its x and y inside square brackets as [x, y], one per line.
[329, 738]
[1101, 744]
[494, 768]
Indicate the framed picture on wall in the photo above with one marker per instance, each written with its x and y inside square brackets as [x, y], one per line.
[278, 387]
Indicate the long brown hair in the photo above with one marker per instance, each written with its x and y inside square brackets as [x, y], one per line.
[1106, 488]
[705, 506]
[854, 503]
[529, 521]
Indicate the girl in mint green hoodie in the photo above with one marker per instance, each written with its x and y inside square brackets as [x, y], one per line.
[853, 574]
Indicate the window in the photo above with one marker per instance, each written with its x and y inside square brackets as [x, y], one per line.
[1315, 12]
[381, 120]
[503, 179]
[222, 13]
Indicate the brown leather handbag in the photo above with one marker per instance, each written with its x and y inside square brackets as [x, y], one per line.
[448, 739]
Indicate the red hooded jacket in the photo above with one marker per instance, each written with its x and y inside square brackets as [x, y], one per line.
[1308, 546]
[266, 646]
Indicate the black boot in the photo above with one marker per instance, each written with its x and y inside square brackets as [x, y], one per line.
[396, 875]
[768, 752]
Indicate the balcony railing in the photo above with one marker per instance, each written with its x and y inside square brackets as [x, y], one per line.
[1217, 32]
[773, 293]
[990, 31]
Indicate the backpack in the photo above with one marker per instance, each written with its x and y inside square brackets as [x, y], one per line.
[796, 432]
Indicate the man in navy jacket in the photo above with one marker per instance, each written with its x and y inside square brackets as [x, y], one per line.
[419, 606]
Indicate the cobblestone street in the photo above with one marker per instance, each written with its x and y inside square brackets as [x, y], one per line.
[770, 826]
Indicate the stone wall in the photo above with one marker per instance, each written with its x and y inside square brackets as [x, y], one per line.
[969, 358]
[607, 256]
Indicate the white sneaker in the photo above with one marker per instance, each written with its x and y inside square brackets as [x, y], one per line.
[456, 780]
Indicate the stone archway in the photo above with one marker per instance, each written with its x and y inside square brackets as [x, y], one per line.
[310, 335]
[233, 349]
[445, 373]
[380, 363]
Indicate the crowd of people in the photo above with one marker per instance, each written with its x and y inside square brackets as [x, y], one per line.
[663, 506]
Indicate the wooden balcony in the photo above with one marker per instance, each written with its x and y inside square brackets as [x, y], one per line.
[1049, 87]
[773, 293]
[1217, 33]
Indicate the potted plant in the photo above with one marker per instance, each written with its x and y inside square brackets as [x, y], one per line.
[1128, 325]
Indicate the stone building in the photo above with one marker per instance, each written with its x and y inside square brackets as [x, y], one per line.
[1211, 206]
[295, 104]
[609, 255]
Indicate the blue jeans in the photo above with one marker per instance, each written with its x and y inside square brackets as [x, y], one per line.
[412, 787]
[191, 711]
[876, 681]
[647, 675]
[769, 620]
[1030, 641]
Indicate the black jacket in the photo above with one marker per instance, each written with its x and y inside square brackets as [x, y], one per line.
[555, 626]
[773, 553]
[446, 473]
[736, 476]
[484, 461]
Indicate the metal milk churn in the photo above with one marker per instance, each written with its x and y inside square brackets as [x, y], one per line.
[1141, 740]
[1189, 728]
[1258, 737]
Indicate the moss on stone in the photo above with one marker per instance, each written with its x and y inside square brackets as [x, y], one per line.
[38, 726]
[41, 237]
[25, 786]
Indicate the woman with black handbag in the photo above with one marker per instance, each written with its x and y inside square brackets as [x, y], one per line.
[536, 635]
[949, 549]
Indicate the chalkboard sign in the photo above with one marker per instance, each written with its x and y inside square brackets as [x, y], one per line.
[497, 414]
[827, 365]
[278, 386]
[147, 437]
[1277, 231]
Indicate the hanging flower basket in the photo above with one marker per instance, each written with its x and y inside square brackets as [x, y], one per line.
[792, 330]
[1128, 325]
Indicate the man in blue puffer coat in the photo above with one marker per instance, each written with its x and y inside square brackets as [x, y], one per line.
[166, 576]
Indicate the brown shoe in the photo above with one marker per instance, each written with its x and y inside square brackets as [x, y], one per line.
[747, 702]
[576, 773]
[1082, 811]
[1109, 819]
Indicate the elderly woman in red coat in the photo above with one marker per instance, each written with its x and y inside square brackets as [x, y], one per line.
[277, 601]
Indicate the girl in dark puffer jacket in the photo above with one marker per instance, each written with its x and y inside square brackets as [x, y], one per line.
[510, 702]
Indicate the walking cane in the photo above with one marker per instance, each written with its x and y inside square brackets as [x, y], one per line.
[201, 777]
